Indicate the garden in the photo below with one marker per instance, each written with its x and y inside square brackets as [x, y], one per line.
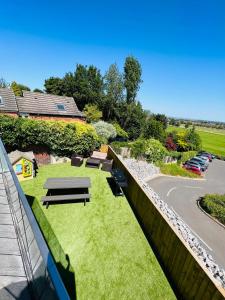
[108, 254]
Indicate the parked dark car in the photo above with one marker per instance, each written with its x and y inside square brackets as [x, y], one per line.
[205, 157]
[207, 154]
[199, 161]
[195, 164]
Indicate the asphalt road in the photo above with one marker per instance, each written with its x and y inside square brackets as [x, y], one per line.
[181, 195]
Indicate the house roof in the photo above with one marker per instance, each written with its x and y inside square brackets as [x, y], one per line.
[17, 155]
[47, 104]
[8, 100]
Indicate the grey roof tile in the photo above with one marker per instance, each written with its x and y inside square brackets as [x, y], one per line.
[9, 101]
[46, 104]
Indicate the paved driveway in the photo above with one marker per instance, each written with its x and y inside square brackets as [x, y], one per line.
[181, 195]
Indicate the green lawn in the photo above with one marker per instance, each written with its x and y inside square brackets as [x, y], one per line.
[211, 141]
[106, 246]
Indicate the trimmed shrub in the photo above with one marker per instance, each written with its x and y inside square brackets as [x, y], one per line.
[151, 149]
[120, 132]
[214, 205]
[118, 145]
[105, 131]
[175, 154]
[60, 138]
[138, 148]
[155, 151]
[170, 145]
[186, 156]
[92, 113]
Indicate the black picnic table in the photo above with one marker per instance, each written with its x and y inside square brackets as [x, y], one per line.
[59, 185]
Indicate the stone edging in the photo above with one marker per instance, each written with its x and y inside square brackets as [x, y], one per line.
[214, 219]
[183, 230]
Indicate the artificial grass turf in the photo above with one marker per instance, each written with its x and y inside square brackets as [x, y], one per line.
[106, 246]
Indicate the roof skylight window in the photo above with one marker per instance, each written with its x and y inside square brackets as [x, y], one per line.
[60, 106]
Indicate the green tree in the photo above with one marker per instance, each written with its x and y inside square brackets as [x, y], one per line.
[92, 113]
[162, 119]
[54, 85]
[88, 86]
[69, 85]
[193, 139]
[172, 121]
[154, 129]
[131, 118]
[95, 84]
[81, 86]
[132, 78]
[38, 91]
[113, 88]
[19, 88]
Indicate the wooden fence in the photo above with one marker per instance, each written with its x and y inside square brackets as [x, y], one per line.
[186, 273]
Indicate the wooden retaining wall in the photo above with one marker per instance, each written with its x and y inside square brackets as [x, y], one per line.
[185, 271]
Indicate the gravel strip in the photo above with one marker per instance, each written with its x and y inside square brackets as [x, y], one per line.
[142, 170]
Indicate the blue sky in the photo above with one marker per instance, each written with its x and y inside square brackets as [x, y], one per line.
[180, 45]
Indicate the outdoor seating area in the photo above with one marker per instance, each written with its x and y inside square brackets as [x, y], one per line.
[96, 160]
[76, 160]
[103, 241]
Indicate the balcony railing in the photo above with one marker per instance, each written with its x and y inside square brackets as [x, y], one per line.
[43, 278]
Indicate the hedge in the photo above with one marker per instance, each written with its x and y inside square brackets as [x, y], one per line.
[59, 137]
[214, 205]
[186, 156]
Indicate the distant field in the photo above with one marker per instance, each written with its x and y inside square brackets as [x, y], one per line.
[211, 141]
[213, 130]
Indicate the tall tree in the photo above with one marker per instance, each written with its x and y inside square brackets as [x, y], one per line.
[18, 88]
[95, 83]
[88, 86]
[69, 84]
[81, 86]
[113, 88]
[132, 118]
[54, 85]
[132, 78]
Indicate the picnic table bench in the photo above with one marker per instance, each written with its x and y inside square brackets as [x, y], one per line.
[69, 184]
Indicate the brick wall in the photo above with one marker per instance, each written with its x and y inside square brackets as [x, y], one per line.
[57, 118]
[11, 114]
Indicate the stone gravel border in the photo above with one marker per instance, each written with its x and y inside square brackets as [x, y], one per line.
[185, 232]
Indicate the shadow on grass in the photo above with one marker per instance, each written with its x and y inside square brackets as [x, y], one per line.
[61, 259]
[153, 247]
[116, 190]
[112, 185]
